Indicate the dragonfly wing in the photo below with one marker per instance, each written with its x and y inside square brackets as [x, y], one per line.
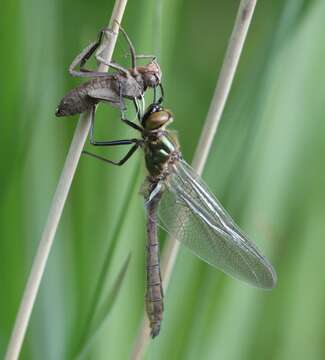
[192, 214]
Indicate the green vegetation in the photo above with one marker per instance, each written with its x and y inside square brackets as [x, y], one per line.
[266, 166]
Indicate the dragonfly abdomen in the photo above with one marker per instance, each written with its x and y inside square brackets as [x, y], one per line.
[154, 295]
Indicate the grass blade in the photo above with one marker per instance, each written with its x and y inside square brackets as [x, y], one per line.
[102, 312]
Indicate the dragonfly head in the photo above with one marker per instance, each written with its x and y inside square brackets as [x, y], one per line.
[156, 117]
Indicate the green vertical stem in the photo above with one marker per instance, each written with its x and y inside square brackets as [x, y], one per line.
[157, 24]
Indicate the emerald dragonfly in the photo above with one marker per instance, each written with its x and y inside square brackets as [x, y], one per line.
[178, 200]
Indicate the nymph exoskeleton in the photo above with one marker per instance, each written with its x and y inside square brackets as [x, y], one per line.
[111, 88]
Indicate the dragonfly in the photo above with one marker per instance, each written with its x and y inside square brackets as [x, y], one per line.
[177, 199]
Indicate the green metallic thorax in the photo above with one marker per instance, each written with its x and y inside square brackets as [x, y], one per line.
[158, 148]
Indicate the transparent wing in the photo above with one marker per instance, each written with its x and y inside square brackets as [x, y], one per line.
[191, 214]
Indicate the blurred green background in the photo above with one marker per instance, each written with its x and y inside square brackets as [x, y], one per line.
[266, 166]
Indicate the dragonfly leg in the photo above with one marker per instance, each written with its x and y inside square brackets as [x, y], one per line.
[131, 47]
[160, 100]
[117, 142]
[110, 143]
[112, 65]
[137, 108]
[114, 142]
[134, 57]
[142, 56]
[83, 57]
[128, 40]
[130, 123]
[123, 108]
[162, 93]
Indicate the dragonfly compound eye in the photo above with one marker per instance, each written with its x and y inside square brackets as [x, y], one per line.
[158, 119]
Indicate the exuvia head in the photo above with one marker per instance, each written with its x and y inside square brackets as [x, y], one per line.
[151, 74]
[156, 117]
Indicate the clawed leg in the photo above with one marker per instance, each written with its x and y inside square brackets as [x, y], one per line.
[123, 160]
[136, 142]
[110, 143]
[131, 123]
[97, 46]
[141, 56]
[115, 142]
[81, 59]
[109, 35]
[162, 93]
[139, 112]
[131, 49]
[112, 64]
[123, 109]
[134, 57]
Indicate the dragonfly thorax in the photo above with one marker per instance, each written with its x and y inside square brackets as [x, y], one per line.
[159, 145]
[161, 150]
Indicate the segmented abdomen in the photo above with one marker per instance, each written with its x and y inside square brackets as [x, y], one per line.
[154, 295]
[86, 95]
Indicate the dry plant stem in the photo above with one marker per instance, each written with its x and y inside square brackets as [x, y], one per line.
[228, 70]
[227, 73]
[60, 196]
